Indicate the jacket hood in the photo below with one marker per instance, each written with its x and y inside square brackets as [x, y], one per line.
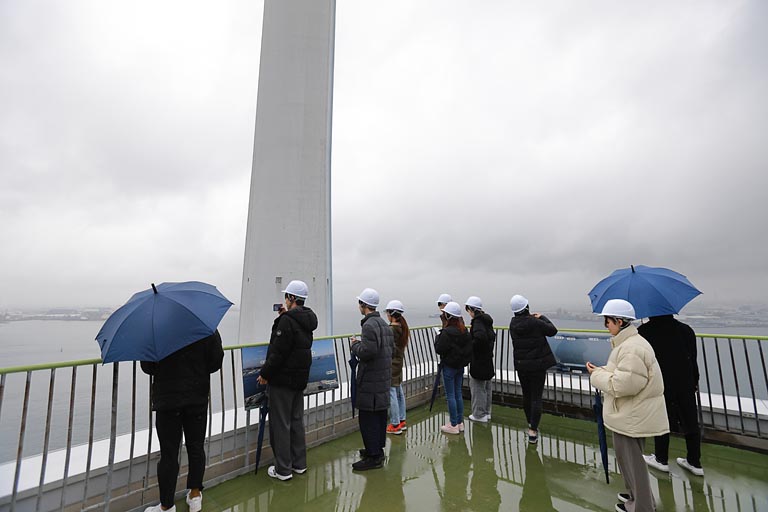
[484, 318]
[303, 316]
[369, 315]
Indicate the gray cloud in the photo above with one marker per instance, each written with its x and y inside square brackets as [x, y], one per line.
[495, 150]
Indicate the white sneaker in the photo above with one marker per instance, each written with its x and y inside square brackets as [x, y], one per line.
[159, 508]
[196, 503]
[461, 426]
[651, 461]
[683, 463]
[299, 471]
[272, 471]
[487, 417]
[481, 419]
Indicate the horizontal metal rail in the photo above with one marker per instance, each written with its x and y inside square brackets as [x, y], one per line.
[99, 437]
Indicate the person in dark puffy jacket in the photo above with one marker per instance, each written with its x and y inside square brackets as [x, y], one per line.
[374, 376]
[674, 344]
[481, 369]
[532, 356]
[286, 373]
[454, 346]
[180, 390]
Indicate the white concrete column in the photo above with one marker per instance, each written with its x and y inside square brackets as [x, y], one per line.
[289, 215]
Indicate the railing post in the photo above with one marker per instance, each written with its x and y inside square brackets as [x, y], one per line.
[112, 435]
[20, 451]
[51, 385]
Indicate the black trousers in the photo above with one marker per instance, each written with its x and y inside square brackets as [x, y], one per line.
[373, 429]
[682, 410]
[170, 425]
[533, 387]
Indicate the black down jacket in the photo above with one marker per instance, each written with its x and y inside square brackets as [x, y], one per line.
[483, 339]
[531, 350]
[374, 373]
[454, 347]
[289, 355]
[184, 378]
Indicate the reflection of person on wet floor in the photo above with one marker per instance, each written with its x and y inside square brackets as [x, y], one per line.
[454, 346]
[395, 310]
[634, 407]
[481, 369]
[485, 481]
[180, 390]
[536, 496]
[286, 372]
[532, 356]
[456, 467]
[374, 375]
[675, 346]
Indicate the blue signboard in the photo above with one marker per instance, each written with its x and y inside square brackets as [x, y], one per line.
[573, 350]
[323, 374]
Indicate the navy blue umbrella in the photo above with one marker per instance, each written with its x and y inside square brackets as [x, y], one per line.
[436, 385]
[598, 407]
[158, 321]
[353, 362]
[263, 411]
[653, 291]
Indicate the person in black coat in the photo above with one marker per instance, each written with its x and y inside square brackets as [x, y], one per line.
[374, 378]
[286, 371]
[481, 369]
[675, 346]
[180, 390]
[454, 346]
[532, 356]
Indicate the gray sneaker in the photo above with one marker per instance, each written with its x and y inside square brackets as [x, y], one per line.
[655, 464]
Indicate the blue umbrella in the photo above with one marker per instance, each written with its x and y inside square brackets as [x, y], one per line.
[598, 407]
[263, 411]
[159, 321]
[436, 385]
[653, 291]
[353, 362]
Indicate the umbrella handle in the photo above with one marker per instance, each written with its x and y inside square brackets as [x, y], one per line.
[154, 288]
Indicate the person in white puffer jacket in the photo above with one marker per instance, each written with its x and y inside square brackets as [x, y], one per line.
[634, 406]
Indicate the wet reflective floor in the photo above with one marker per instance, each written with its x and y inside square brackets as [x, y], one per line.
[491, 467]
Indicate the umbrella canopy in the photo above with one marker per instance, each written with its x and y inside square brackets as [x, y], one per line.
[159, 321]
[598, 408]
[436, 385]
[263, 411]
[353, 361]
[653, 291]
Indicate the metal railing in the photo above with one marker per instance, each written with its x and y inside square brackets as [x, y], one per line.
[78, 435]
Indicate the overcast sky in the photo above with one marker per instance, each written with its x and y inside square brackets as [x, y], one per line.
[503, 146]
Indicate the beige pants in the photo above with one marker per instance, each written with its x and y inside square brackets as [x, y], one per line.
[629, 455]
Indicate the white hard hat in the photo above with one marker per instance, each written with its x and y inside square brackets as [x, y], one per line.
[370, 297]
[618, 308]
[444, 298]
[395, 305]
[518, 303]
[474, 302]
[297, 288]
[453, 309]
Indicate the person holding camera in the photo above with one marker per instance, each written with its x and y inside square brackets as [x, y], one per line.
[533, 356]
[286, 373]
[374, 376]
